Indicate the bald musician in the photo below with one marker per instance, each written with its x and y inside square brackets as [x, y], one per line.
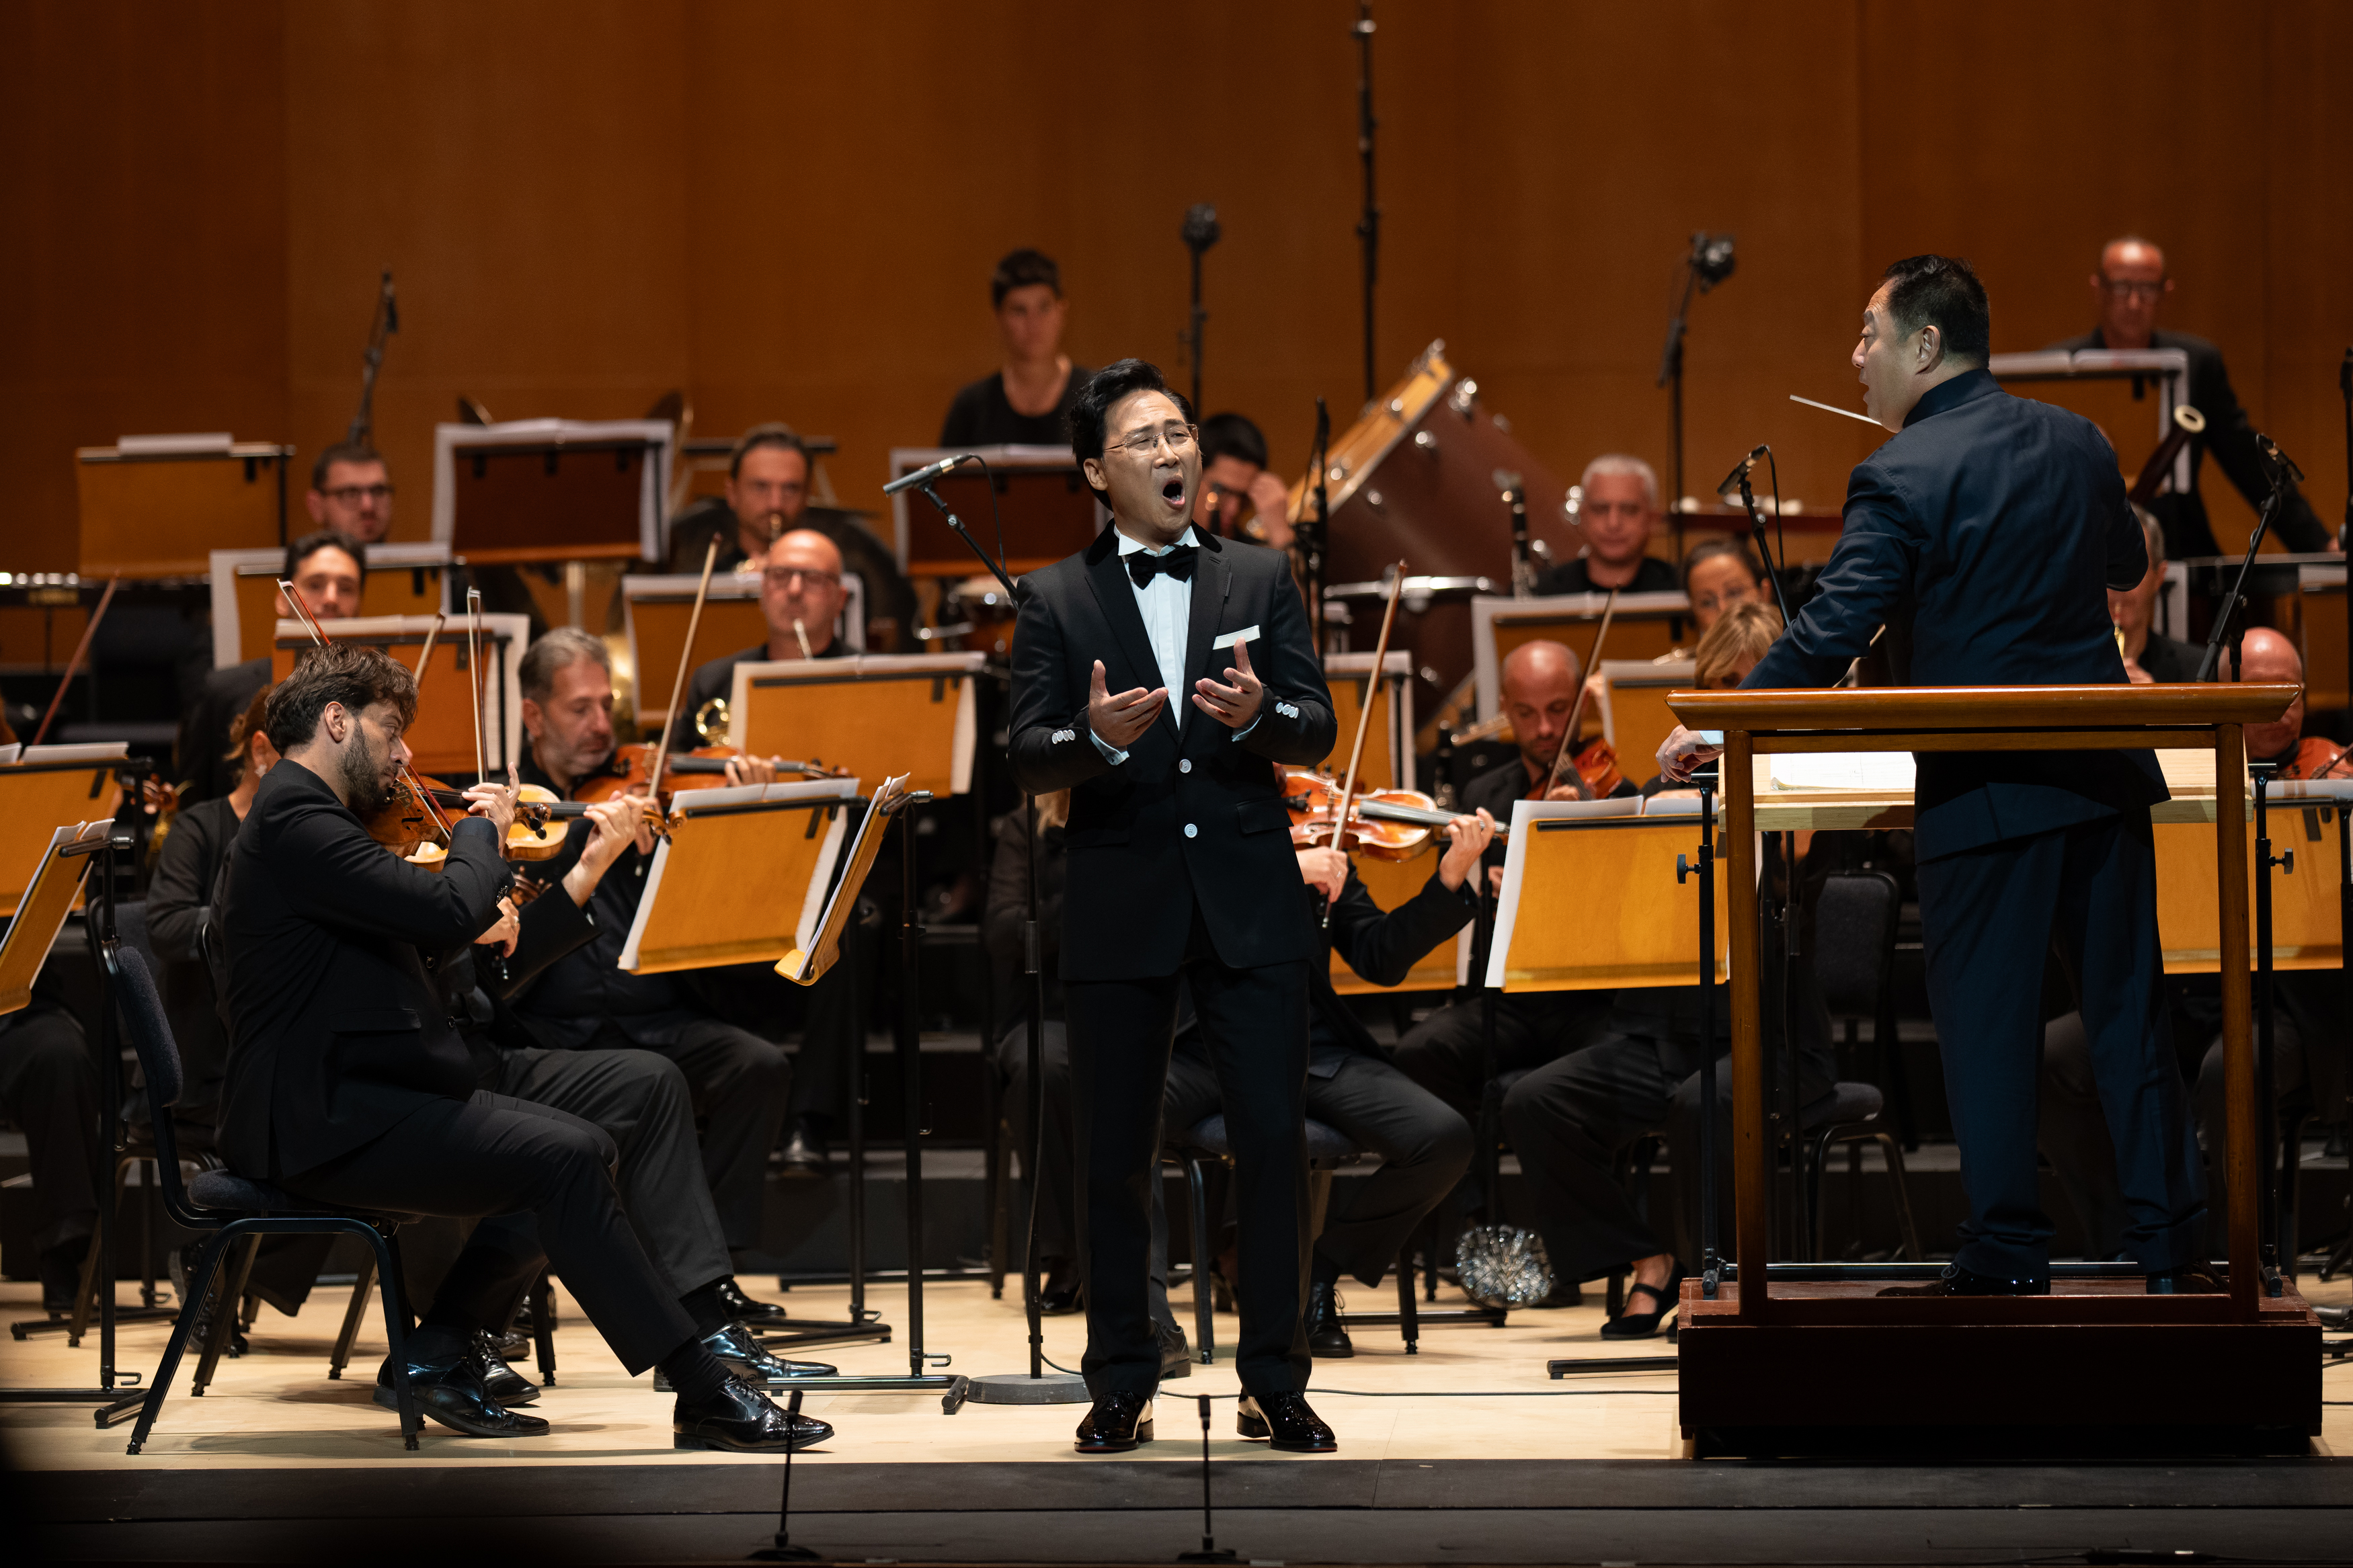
[1154, 676]
[2129, 284]
[2016, 850]
[1445, 1052]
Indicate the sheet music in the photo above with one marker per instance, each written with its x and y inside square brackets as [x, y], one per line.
[811, 930]
[1882, 773]
[1524, 813]
[688, 803]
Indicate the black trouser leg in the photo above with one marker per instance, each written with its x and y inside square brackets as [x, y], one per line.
[642, 1102]
[49, 1086]
[1119, 1037]
[1569, 1121]
[2072, 1132]
[491, 1155]
[1057, 1237]
[1424, 1146]
[742, 1085]
[1444, 1053]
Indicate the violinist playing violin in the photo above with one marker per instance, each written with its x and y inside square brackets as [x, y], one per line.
[349, 1084]
[586, 1001]
[1445, 1052]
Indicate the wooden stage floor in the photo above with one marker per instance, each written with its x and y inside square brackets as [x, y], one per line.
[1472, 1423]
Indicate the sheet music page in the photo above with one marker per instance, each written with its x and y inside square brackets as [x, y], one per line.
[1882, 773]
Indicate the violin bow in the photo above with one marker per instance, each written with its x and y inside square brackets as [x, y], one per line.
[73, 664]
[319, 639]
[685, 656]
[1364, 723]
[432, 635]
[1577, 708]
[474, 674]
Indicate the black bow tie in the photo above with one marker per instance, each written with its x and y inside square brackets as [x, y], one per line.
[1176, 564]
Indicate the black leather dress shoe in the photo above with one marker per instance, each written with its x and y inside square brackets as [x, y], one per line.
[1959, 1281]
[739, 1420]
[803, 1156]
[1058, 1293]
[1116, 1425]
[451, 1392]
[504, 1383]
[741, 1354]
[743, 1309]
[1326, 1339]
[2190, 1279]
[1285, 1422]
[1175, 1355]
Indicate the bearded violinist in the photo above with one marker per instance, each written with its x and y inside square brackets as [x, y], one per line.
[1446, 1052]
[1154, 676]
[349, 1084]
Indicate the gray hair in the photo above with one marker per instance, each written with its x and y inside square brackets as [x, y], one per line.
[2152, 530]
[1615, 464]
[558, 651]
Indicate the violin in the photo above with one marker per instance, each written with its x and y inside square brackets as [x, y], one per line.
[1596, 763]
[2315, 759]
[1387, 825]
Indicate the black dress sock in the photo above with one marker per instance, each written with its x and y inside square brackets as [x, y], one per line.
[1327, 1272]
[442, 1336]
[701, 1304]
[695, 1373]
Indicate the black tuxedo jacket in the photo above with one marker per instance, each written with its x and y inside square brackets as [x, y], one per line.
[338, 1030]
[1984, 536]
[1195, 816]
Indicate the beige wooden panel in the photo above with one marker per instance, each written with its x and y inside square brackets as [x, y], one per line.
[1378, 768]
[36, 800]
[1639, 722]
[163, 518]
[2307, 929]
[1631, 636]
[1391, 883]
[1600, 908]
[729, 625]
[874, 727]
[733, 888]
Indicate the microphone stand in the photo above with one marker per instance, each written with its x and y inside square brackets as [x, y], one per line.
[1764, 551]
[1314, 539]
[1368, 227]
[1200, 232]
[2282, 469]
[385, 322]
[1036, 1386]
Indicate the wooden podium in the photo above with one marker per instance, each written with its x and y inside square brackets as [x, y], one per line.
[1793, 1356]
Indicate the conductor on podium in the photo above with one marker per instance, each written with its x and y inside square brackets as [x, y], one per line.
[1160, 676]
[1984, 536]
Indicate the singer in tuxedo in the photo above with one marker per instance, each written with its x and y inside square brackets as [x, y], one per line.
[2018, 851]
[1155, 675]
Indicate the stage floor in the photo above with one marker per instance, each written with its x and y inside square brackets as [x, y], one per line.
[1470, 1425]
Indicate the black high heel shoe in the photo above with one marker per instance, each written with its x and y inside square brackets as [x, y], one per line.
[1632, 1325]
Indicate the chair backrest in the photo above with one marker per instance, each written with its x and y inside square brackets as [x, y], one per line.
[1854, 940]
[131, 929]
[141, 1007]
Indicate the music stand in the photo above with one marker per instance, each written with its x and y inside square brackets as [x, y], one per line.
[1645, 626]
[50, 788]
[551, 489]
[155, 505]
[873, 713]
[39, 915]
[1042, 502]
[402, 580]
[655, 611]
[442, 736]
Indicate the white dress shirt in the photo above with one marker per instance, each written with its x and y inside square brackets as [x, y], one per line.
[1166, 607]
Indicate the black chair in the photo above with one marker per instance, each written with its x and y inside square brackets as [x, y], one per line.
[1854, 963]
[1328, 1148]
[235, 1207]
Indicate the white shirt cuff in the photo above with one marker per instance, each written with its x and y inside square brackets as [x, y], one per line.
[1112, 753]
[1248, 727]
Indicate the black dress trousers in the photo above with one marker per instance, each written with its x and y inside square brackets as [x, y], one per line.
[1253, 1024]
[1987, 915]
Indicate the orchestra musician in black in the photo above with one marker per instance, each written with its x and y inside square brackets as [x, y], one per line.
[1155, 675]
[2016, 850]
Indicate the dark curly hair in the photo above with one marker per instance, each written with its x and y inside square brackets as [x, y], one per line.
[354, 675]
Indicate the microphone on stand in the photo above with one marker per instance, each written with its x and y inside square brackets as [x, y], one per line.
[1740, 470]
[2280, 459]
[928, 472]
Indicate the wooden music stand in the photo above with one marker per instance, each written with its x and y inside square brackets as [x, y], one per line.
[779, 842]
[1645, 626]
[1591, 901]
[1785, 1349]
[817, 948]
[875, 714]
[41, 912]
[655, 610]
[1633, 700]
[443, 734]
[1047, 509]
[155, 506]
[402, 580]
[44, 791]
[551, 489]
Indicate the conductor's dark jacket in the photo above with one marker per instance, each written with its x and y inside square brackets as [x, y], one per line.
[1193, 818]
[1983, 535]
[338, 1031]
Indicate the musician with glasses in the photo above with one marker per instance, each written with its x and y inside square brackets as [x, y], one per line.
[351, 492]
[2126, 289]
[1155, 675]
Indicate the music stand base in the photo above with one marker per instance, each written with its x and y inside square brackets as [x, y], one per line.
[1020, 1388]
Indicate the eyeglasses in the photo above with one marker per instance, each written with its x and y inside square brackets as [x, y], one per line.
[352, 495]
[1145, 443]
[784, 576]
[2127, 289]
